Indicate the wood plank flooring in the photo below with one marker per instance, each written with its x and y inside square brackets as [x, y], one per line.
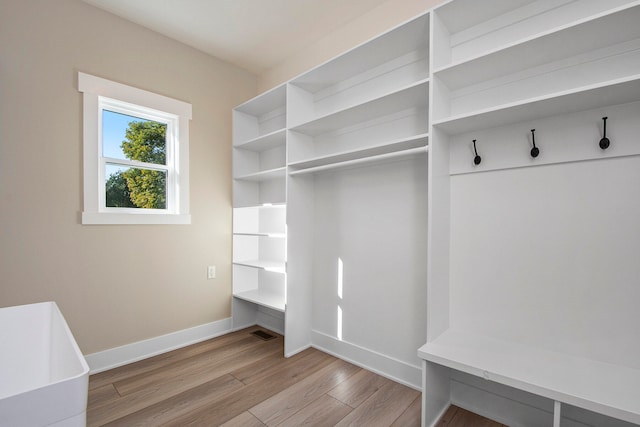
[458, 417]
[241, 380]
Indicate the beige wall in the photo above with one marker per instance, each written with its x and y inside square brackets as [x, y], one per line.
[114, 284]
[371, 24]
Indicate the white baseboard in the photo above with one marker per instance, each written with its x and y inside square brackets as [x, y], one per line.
[118, 356]
[297, 350]
[389, 367]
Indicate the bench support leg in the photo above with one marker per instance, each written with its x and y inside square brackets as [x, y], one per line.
[556, 413]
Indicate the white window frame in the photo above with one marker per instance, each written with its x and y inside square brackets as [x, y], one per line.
[99, 94]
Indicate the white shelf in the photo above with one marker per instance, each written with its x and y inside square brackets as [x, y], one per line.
[264, 103]
[276, 205]
[263, 298]
[264, 205]
[272, 266]
[395, 155]
[619, 91]
[269, 235]
[260, 117]
[263, 175]
[406, 38]
[471, 30]
[586, 35]
[462, 14]
[412, 96]
[264, 142]
[347, 155]
[600, 387]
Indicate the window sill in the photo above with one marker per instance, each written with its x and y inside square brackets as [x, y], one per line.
[111, 218]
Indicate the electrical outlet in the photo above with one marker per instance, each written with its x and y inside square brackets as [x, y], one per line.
[211, 272]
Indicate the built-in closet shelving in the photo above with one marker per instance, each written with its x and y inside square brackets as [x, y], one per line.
[530, 277]
[363, 107]
[361, 117]
[530, 257]
[259, 214]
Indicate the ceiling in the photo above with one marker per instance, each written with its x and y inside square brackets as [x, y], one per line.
[253, 34]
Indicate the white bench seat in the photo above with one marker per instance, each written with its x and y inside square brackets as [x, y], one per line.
[605, 388]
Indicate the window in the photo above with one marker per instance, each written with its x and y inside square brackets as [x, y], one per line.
[136, 155]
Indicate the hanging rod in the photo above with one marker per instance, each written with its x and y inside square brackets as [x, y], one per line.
[396, 154]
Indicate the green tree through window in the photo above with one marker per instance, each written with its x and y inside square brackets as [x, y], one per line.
[145, 141]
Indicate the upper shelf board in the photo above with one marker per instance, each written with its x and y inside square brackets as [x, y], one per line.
[389, 147]
[462, 14]
[263, 175]
[266, 102]
[408, 37]
[371, 159]
[586, 35]
[413, 96]
[264, 142]
[620, 91]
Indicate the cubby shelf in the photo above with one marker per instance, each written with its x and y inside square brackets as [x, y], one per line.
[414, 96]
[271, 100]
[348, 155]
[619, 91]
[272, 266]
[263, 298]
[263, 175]
[270, 235]
[264, 142]
[362, 159]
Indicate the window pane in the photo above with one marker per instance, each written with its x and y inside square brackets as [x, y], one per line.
[133, 138]
[127, 187]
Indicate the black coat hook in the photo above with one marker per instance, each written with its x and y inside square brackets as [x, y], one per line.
[535, 150]
[604, 142]
[477, 159]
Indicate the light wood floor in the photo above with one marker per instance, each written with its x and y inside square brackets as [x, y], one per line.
[458, 417]
[241, 380]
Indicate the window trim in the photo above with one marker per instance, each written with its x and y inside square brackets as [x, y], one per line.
[98, 92]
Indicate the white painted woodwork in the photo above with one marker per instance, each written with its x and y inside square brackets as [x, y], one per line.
[598, 386]
[531, 268]
[343, 147]
[473, 29]
[259, 215]
[262, 297]
[530, 278]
